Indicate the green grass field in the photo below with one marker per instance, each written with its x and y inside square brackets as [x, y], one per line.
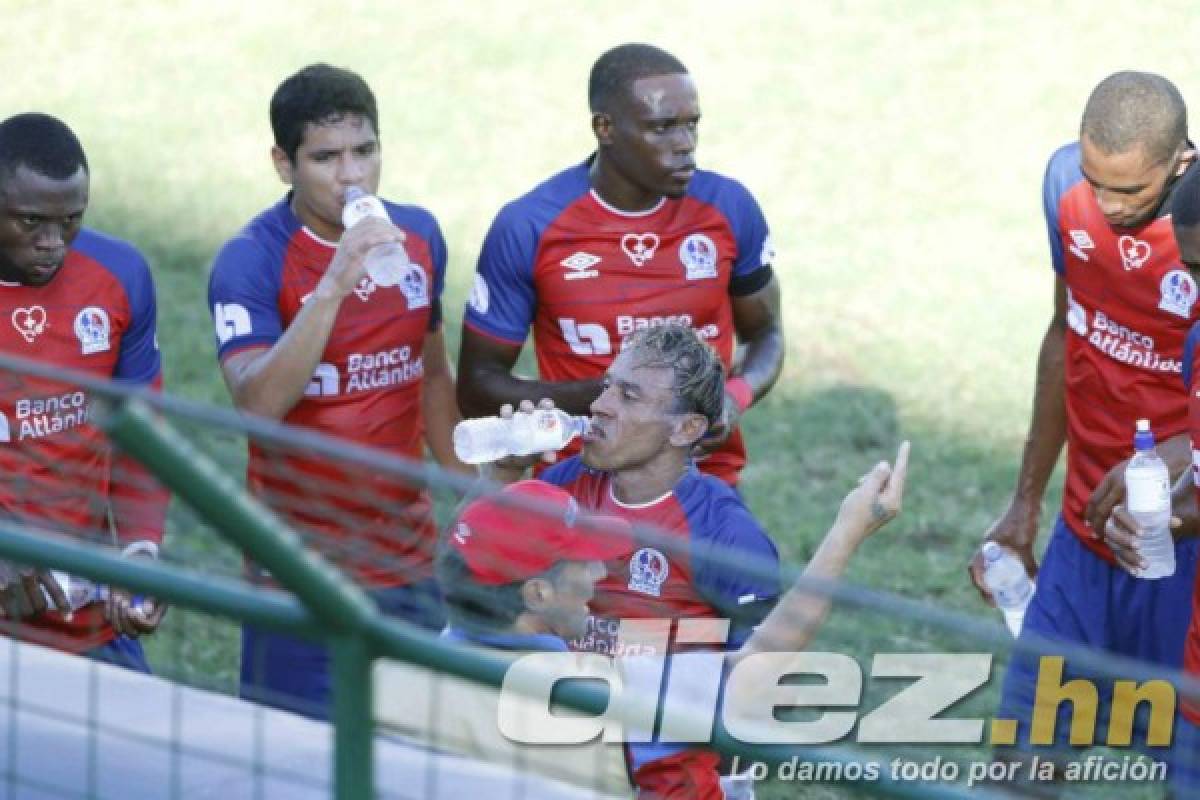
[896, 148]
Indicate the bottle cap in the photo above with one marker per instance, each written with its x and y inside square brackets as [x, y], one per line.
[1144, 438]
[992, 552]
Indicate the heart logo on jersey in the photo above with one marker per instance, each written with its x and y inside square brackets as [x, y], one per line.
[29, 322]
[640, 247]
[1134, 252]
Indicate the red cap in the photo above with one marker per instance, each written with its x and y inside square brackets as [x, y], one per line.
[528, 528]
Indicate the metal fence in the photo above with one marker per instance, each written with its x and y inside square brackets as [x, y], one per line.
[197, 453]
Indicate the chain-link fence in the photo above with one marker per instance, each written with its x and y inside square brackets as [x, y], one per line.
[338, 531]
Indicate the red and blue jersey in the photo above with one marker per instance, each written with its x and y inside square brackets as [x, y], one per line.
[96, 316]
[1130, 305]
[584, 275]
[725, 567]
[366, 388]
[1191, 383]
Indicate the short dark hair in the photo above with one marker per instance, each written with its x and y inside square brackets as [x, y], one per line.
[317, 95]
[473, 606]
[41, 143]
[614, 72]
[699, 375]
[1185, 199]
[1131, 109]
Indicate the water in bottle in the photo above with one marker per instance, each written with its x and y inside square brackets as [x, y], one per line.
[480, 441]
[1148, 498]
[386, 263]
[1010, 585]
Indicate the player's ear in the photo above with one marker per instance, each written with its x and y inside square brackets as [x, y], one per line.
[283, 164]
[689, 429]
[602, 128]
[1185, 160]
[537, 593]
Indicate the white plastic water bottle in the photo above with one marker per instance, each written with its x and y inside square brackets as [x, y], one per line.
[1148, 498]
[487, 439]
[1010, 585]
[386, 263]
[79, 591]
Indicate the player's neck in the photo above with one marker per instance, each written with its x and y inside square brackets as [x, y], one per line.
[618, 191]
[650, 481]
[529, 624]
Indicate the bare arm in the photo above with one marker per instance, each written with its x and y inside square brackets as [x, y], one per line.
[757, 322]
[486, 382]
[799, 614]
[1017, 526]
[759, 327]
[438, 406]
[269, 381]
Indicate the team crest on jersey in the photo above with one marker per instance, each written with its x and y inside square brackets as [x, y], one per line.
[93, 330]
[699, 257]
[648, 570]
[1178, 293]
[415, 286]
[30, 322]
[1134, 252]
[640, 247]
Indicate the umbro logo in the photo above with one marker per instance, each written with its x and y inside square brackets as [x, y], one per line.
[1081, 241]
[580, 265]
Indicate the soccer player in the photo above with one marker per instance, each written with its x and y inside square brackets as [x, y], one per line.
[74, 298]
[531, 593]
[632, 237]
[1121, 532]
[658, 399]
[305, 336]
[1123, 305]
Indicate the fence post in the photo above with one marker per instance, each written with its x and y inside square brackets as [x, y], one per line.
[353, 715]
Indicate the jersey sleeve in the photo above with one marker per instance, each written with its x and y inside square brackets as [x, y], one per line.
[503, 300]
[1191, 352]
[736, 568]
[754, 248]
[138, 359]
[1062, 172]
[438, 255]
[243, 297]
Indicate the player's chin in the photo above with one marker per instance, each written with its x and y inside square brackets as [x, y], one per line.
[676, 189]
[40, 274]
[593, 457]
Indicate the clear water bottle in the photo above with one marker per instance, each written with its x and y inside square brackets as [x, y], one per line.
[386, 263]
[487, 439]
[1148, 498]
[1010, 585]
[80, 592]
